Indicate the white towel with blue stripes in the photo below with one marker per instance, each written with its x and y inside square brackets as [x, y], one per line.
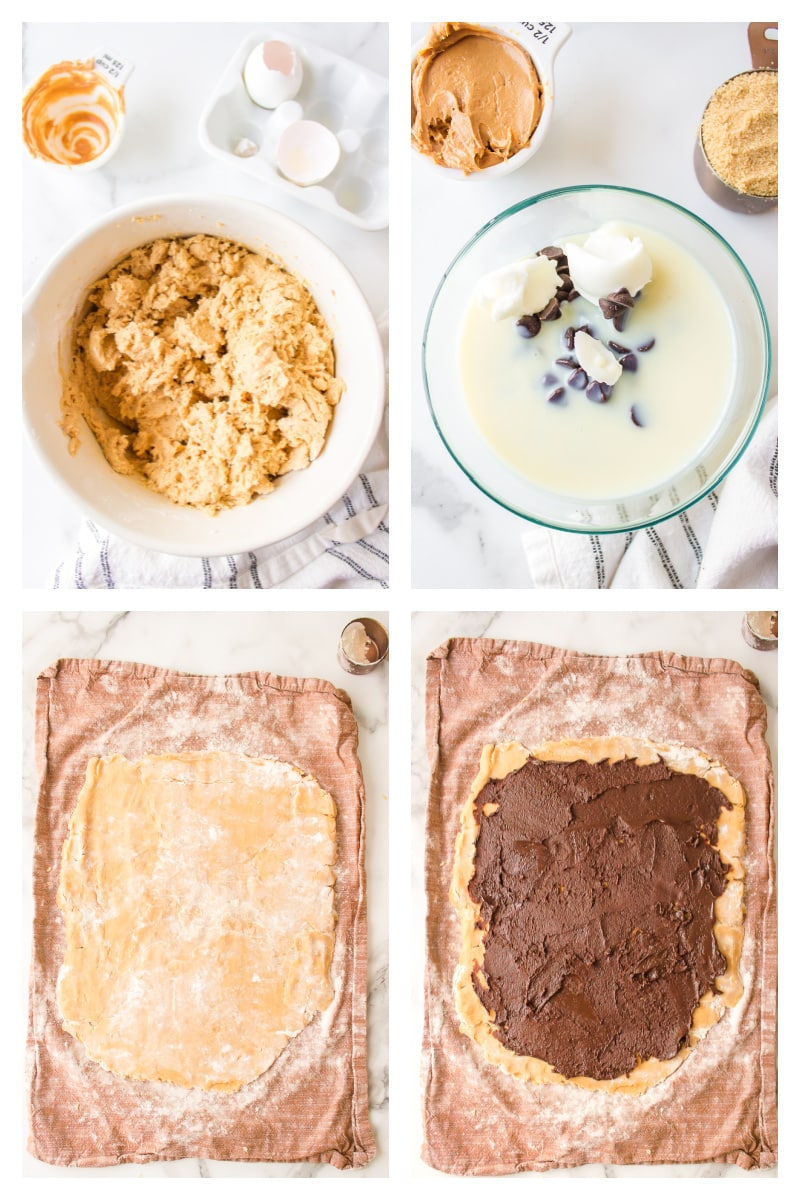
[727, 540]
[347, 548]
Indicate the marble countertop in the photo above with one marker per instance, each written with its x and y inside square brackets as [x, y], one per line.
[628, 101]
[285, 644]
[176, 67]
[705, 635]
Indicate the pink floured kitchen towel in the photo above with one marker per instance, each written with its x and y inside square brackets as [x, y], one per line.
[311, 1105]
[720, 1105]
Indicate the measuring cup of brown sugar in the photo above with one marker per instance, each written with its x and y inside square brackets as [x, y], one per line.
[74, 114]
[736, 152]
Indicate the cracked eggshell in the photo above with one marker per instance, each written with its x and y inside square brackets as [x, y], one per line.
[307, 152]
[273, 73]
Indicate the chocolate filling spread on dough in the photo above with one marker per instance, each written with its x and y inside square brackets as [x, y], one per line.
[596, 885]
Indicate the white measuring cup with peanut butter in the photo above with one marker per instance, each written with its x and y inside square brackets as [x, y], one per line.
[74, 114]
[482, 95]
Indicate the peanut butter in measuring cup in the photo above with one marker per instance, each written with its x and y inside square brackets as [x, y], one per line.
[74, 114]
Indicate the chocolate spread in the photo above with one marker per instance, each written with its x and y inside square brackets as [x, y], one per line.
[596, 885]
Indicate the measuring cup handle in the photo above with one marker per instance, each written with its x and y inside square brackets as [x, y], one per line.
[763, 49]
[548, 38]
[116, 70]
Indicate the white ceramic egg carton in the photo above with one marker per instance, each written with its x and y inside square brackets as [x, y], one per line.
[350, 100]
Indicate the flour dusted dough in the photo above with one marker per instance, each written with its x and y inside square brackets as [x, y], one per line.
[497, 762]
[197, 892]
[203, 368]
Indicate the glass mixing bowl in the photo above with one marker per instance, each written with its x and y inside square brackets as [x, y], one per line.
[541, 221]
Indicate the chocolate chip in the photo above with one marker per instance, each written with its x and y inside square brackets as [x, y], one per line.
[606, 389]
[595, 393]
[552, 252]
[608, 308]
[585, 329]
[648, 345]
[616, 306]
[619, 349]
[573, 294]
[563, 268]
[555, 395]
[578, 379]
[636, 416]
[629, 361]
[551, 311]
[528, 326]
[567, 362]
[549, 379]
[569, 338]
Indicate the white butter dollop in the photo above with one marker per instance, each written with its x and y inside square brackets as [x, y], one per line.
[597, 361]
[607, 261]
[519, 288]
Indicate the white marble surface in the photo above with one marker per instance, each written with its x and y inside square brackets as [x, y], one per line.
[708, 635]
[176, 69]
[285, 644]
[628, 101]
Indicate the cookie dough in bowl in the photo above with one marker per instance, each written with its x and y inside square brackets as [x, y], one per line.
[203, 368]
[226, 360]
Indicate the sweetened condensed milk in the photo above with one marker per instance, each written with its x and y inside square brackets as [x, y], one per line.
[539, 411]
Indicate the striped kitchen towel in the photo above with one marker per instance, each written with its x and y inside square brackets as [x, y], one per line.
[727, 540]
[346, 548]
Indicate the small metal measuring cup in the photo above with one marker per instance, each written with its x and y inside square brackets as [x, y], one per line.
[362, 649]
[764, 56]
[760, 630]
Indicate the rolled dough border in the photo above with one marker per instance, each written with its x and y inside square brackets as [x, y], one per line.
[497, 761]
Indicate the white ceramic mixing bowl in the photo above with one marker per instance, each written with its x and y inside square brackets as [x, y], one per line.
[124, 505]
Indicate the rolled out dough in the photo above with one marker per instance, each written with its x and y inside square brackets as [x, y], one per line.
[198, 895]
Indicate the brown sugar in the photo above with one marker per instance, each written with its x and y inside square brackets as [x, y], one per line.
[739, 132]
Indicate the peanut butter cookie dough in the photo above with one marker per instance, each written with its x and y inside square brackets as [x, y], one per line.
[476, 98]
[203, 368]
[601, 923]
